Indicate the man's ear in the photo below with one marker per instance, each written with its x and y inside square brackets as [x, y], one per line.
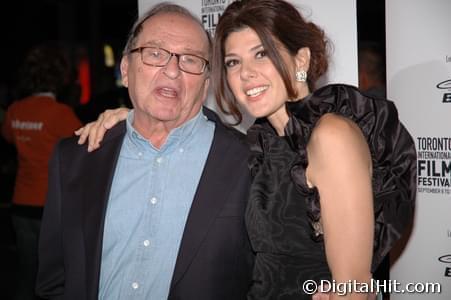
[205, 91]
[124, 70]
[302, 59]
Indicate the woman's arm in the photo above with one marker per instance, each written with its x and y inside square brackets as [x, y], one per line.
[340, 168]
[94, 131]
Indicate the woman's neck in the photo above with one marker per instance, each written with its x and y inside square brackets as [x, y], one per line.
[279, 120]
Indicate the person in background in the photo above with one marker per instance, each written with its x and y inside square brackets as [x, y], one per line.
[34, 124]
[333, 171]
[372, 69]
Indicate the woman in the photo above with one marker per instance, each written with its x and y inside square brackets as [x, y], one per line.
[333, 171]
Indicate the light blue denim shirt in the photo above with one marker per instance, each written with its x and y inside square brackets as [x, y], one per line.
[150, 198]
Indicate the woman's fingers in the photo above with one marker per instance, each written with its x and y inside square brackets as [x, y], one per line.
[115, 117]
[94, 132]
[83, 133]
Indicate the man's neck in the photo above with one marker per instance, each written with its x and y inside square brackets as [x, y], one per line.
[155, 131]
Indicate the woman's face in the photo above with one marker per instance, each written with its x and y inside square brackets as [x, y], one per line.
[252, 77]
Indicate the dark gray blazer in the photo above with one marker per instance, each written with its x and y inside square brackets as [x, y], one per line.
[214, 260]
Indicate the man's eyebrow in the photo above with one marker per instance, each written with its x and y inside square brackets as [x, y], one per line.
[186, 50]
[189, 50]
[153, 44]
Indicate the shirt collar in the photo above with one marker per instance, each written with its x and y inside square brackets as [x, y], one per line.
[175, 138]
[45, 94]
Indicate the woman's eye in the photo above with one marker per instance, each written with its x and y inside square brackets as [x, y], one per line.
[260, 54]
[231, 63]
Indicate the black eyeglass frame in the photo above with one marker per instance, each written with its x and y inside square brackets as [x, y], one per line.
[171, 54]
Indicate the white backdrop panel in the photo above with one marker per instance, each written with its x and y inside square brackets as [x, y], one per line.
[419, 80]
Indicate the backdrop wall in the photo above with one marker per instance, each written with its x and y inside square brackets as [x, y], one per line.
[419, 81]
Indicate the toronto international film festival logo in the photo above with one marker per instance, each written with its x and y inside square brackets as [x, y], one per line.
[446, 259]
[445, 85]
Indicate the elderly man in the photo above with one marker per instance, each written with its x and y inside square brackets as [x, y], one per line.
[157, 212]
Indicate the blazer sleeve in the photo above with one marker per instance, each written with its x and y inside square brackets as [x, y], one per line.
[50, 278]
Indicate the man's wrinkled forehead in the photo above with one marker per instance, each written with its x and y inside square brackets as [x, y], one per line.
[176, 28]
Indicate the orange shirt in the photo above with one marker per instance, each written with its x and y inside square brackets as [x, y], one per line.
[34, 125]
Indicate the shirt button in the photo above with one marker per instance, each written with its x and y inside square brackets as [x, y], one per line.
[159, 160]
[153, 200]
[140, 154]
[146, 243]
[135, 285]
[181, 150]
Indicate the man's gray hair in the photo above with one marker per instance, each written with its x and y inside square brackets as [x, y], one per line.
[161, 8]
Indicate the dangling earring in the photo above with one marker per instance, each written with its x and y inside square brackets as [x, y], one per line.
[301, 76]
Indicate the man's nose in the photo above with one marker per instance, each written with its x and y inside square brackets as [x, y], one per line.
[172, 69]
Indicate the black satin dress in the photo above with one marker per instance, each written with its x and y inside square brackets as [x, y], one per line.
[283, 212]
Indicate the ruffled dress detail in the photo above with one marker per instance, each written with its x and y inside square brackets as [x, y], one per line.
[283, 214]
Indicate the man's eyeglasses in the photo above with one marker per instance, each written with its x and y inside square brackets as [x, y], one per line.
[159, 57]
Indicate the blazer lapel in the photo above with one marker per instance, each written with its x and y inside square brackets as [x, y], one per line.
[99, 169]
[209, 199]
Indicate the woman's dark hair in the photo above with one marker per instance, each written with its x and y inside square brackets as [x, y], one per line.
[46, 68]
[275, 22]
